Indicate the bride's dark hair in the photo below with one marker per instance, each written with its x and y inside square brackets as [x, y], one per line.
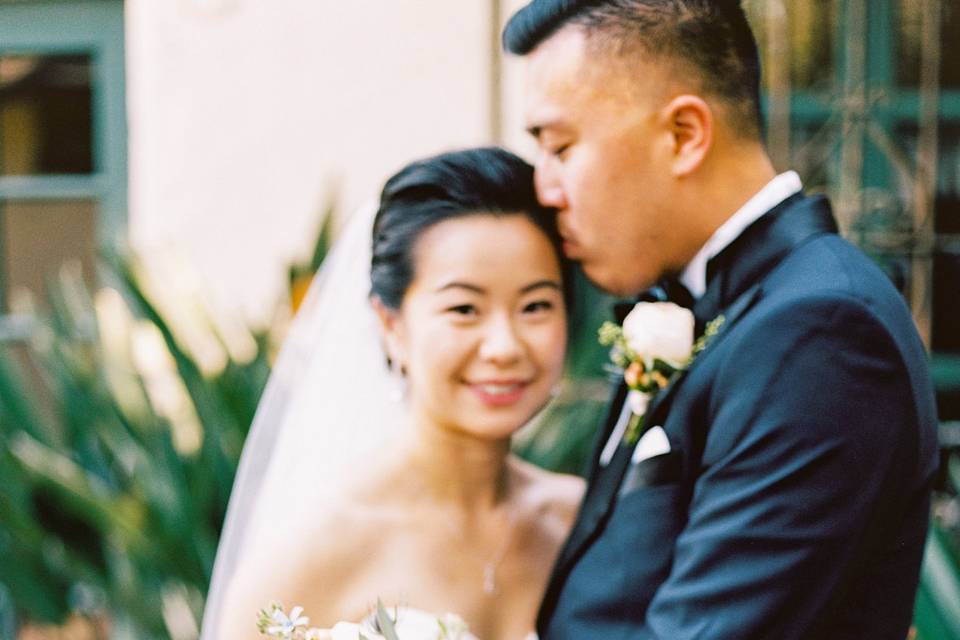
[488, 180]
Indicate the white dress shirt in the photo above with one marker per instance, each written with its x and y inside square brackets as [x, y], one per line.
[694, 275]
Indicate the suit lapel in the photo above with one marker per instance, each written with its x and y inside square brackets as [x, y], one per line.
[734, 284]
[762, 246]
[731, 314]
[604, 484]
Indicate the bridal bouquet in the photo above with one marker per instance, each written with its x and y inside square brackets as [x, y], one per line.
[404, 624]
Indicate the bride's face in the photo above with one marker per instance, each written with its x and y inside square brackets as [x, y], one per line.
[482, 328]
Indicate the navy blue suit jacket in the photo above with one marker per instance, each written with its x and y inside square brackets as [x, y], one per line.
[794, 500]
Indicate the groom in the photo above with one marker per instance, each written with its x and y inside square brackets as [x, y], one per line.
[781, 486]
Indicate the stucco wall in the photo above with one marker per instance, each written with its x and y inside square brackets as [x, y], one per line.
[243, 112]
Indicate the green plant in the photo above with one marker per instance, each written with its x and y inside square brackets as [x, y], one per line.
[937, 612]
[119, 440]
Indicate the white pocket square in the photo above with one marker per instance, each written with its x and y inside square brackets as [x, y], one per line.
[653, 442]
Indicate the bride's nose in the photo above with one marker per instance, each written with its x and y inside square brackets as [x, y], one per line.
[501, 343]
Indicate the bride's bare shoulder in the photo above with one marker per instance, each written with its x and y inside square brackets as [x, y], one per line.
[311, 564]
[341, 532]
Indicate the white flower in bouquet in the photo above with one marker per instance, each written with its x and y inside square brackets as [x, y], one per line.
[400, 623]
[406, 623]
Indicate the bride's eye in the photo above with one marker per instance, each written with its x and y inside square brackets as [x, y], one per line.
[538, 306]
[463, 310]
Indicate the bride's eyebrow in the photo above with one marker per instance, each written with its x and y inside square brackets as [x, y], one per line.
[540, 284]
[533, 286]
[461, 285]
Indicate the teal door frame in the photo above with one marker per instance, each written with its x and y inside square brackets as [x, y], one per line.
[94, 28]
[861, 115]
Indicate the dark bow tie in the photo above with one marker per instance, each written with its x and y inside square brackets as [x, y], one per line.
[666, 290]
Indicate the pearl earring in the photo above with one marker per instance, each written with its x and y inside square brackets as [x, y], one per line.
[399, 383]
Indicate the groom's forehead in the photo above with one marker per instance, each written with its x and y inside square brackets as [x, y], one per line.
[558, 66]
[565, 72]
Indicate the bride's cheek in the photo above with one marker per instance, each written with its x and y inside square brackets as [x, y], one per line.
[552, 344]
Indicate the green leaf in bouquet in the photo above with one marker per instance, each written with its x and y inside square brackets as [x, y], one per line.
[385, 625]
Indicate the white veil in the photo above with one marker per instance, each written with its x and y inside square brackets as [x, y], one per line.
[329, 401]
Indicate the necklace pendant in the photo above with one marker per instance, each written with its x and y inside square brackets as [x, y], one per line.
[490, 579]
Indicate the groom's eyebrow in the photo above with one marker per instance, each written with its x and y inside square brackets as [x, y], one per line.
[537, 130]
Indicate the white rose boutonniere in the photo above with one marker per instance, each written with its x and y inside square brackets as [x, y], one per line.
[655, 342]
[659, 331]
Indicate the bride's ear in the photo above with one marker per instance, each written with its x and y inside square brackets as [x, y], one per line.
[391, 328]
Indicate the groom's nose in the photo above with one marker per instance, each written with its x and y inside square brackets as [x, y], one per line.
[547, 184]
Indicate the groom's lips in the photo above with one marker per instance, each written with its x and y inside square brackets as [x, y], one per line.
[567, 242]
[499, 393]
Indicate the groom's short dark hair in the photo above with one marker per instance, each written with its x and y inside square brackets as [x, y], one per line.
[712, 37]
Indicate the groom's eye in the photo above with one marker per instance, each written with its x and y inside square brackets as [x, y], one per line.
[559, 151]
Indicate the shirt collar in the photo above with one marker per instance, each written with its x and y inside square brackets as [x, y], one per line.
[694, 275]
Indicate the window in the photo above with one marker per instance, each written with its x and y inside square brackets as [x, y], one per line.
[863, 98]
[62, 142]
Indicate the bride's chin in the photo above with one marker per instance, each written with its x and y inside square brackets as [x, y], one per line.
[499, 428]
[482, 427]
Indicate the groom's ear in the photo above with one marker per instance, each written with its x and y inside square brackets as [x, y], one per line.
[691, 125]
[391, 327]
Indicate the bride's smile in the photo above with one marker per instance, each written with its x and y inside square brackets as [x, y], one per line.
[499, 393]
[481, 331]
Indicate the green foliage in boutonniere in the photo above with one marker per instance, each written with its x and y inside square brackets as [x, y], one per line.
[709, 333]
[654, 344]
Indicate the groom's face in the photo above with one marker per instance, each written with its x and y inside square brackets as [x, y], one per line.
[604, 160]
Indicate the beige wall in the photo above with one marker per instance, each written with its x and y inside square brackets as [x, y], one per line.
[512, 77]
[242, 111]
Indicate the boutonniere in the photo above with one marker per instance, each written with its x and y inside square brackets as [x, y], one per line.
[654, 344]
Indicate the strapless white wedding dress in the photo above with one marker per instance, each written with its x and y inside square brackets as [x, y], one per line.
[328, 407]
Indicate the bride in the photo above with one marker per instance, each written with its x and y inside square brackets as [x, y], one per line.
[360, 483]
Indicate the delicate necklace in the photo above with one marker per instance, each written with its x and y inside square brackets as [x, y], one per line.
[493, 562]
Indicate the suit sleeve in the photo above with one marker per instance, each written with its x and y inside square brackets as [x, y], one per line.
[804, 418]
